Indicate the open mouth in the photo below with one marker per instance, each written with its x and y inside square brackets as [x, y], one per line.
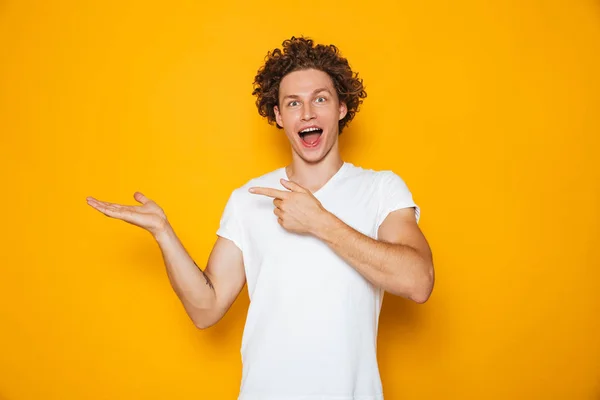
[311, 135]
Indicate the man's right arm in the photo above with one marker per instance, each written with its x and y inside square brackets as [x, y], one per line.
[205, 294]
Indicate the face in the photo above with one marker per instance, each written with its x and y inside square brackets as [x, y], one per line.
[309, 112]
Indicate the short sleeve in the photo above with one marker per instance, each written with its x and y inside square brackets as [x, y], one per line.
[230, 226]
[394, 194]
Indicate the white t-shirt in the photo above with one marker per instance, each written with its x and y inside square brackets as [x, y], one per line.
[311, 328]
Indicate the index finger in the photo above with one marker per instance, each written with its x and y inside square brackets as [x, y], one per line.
[278, 194]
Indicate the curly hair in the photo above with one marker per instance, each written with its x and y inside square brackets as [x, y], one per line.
[300, 54]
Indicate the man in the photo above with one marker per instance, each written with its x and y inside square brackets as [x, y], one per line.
[318, 242]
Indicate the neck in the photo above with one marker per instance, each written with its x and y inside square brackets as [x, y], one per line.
[313, 176]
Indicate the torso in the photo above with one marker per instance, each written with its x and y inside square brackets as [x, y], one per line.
[312, 323]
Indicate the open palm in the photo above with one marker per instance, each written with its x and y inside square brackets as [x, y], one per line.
[148, 216]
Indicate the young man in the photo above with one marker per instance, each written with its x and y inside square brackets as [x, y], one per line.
[318, 242]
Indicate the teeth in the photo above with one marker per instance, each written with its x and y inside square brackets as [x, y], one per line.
[310, 130]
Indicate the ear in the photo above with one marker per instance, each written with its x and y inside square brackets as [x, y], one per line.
[278, 116]
[343, 109]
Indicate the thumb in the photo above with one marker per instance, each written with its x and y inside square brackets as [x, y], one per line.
[140, 197]
[293, 186]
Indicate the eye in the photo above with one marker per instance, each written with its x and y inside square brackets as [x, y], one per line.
[320, 98]
[292, 103]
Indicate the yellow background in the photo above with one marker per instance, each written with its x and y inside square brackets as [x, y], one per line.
[490, 112]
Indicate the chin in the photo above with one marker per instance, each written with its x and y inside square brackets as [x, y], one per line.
[311, 158]
[314, 154]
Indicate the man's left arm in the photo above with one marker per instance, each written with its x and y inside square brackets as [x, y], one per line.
[399, 260]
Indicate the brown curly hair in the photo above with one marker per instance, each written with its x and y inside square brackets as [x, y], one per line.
[299, 54]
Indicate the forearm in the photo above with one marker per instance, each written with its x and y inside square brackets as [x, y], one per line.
[193, 287]
[396, 268]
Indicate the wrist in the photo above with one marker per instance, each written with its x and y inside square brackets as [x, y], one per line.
[326, 226]
[163, 233]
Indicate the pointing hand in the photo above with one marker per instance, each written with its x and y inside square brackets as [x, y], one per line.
[298, 210]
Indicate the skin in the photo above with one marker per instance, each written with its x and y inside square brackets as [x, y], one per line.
[308, 97]
[400, 261]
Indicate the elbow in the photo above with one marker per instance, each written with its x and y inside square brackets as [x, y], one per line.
[417, 288]
[423, 287]
[203, 322]
[202, 311]
[203, 318]
[414, 283]
[419, 293]
[202, 325]
[421, 296]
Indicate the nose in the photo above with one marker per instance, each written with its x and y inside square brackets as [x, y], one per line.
[307, 112]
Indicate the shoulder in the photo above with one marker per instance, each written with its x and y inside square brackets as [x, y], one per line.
[381, 178]
[388, 188]
[389, 179]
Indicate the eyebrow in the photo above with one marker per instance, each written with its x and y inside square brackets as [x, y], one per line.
[294, 96]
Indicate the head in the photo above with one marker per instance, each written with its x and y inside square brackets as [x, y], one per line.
[310, 92]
